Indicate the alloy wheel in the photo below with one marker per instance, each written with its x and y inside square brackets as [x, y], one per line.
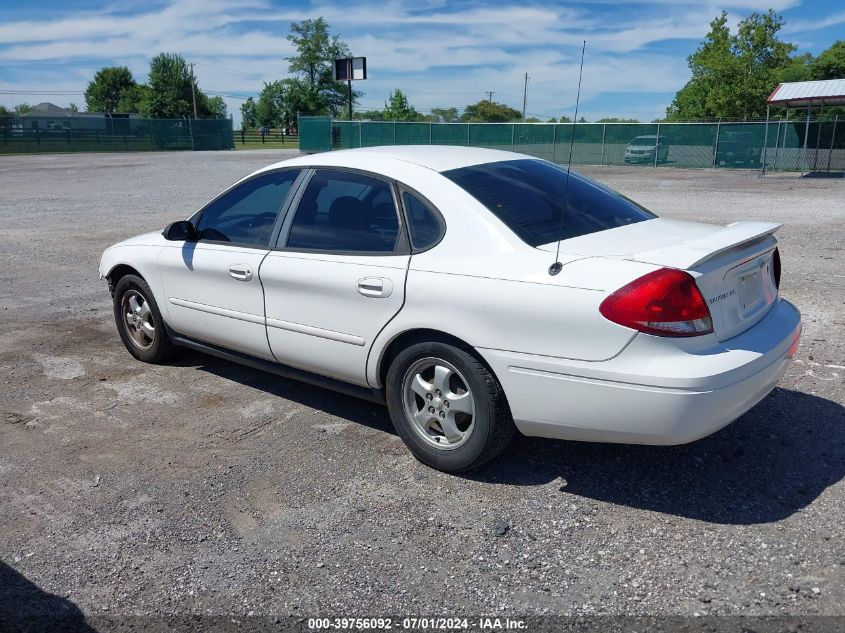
[438, 403]
[138, 319]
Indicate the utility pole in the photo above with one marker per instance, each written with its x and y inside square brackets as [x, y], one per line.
[193, 91]
[490, 94]
[524, 97]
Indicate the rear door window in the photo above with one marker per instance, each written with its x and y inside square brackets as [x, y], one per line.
[345, 211]
[528, 196]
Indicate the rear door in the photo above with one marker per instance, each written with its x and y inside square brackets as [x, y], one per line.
[337, 275]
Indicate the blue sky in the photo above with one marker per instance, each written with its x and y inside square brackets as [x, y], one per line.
[441, 53]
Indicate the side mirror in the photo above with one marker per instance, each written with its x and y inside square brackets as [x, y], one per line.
[180, 231]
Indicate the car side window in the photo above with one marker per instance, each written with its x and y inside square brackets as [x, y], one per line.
[345, 211]
[246, 214]
[423, 225]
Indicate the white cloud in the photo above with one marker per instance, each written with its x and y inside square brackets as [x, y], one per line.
[802, 26]
[440, 53]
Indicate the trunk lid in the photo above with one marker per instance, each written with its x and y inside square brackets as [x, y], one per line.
[732, 265]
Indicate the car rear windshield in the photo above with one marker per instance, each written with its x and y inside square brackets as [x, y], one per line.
[527, 195]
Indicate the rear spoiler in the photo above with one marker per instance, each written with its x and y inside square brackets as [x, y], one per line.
[696, 251]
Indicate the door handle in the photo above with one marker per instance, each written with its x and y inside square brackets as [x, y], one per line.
[240, 272]
[375, 287]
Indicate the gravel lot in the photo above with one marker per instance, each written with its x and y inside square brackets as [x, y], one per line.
[204, 487]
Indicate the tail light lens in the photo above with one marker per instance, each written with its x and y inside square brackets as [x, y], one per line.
[665, 302]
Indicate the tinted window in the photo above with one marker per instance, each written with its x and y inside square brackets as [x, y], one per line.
[246, 214]
[342, 211]
[422, 222]
[527, 195]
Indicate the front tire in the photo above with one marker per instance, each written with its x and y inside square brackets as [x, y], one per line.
[139, 321]
[447, 407]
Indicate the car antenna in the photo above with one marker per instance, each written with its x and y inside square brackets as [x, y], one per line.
[555, 268]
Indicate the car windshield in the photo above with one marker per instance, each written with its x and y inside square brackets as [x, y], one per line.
[644, 140]
[527, 195]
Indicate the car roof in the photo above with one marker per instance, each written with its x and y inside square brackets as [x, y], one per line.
[436, 157]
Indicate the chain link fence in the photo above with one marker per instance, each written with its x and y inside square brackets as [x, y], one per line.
[722, 144]
[99, 133]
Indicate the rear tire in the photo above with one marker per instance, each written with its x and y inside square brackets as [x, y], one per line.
[139, 321]
[447, 406]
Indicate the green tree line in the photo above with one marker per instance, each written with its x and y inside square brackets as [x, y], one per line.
[732, 74]
[168, 94]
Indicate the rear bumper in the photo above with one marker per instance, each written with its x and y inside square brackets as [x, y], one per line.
[656, 391]
[639, 158]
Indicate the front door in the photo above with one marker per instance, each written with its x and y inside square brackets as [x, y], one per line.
[337, 276]
[212, 290]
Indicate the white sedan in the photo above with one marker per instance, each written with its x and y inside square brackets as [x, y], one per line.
[475, 292]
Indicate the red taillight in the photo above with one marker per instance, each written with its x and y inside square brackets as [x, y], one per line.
[665, 302]
[794, 346]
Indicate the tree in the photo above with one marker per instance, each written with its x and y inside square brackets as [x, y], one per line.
[316, 49]
[732, 74]
[490, 112]
[248, 119]
[830, 64]
[761, 55]
[4, 111]
[22, 108]
[298, 99]
[369, 115]
[134, 99]
[168, 95]
[214, 106]
[397, 108]
[614, 119]
[445, 115]
[109, 89]
[268, 109]
[73, 108]
[170, 87]
[796, 69]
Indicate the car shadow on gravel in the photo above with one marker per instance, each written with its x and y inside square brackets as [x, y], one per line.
[769, 464]
[26, 607]
[337, 404]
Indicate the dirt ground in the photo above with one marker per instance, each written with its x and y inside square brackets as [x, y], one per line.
[202, 487]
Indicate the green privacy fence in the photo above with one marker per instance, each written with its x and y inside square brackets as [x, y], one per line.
[723, 144]
[101, 133]
[315, 133]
